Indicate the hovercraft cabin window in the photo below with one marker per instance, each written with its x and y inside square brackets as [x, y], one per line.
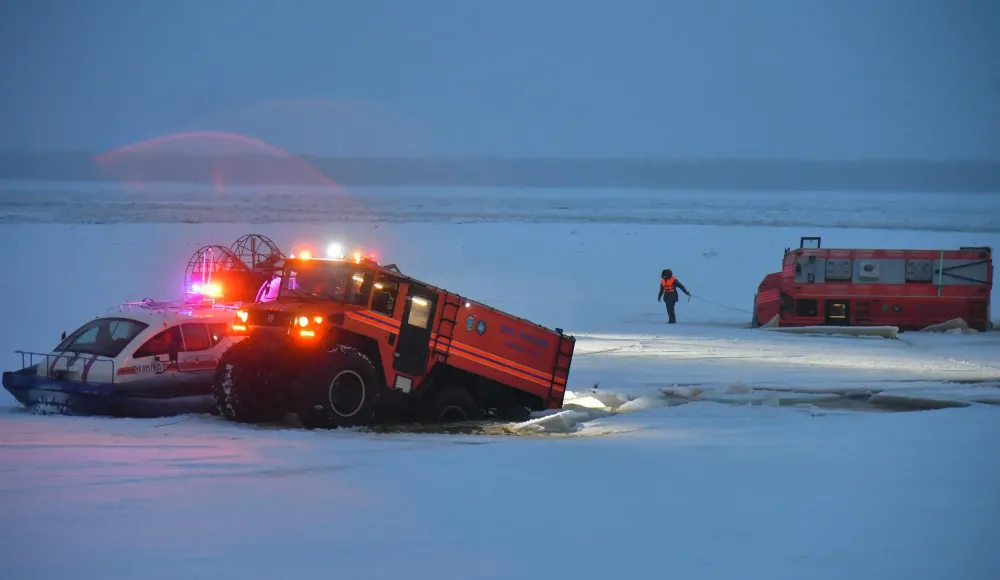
[218, 330]
[190, 337]
[103, 337]
[160, 343]
[196, 337]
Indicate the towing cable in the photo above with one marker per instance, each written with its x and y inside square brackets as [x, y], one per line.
[740, 310]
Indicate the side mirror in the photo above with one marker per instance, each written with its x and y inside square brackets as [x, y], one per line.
[63, 335]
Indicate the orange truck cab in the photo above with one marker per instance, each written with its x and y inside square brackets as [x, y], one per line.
[349, 342]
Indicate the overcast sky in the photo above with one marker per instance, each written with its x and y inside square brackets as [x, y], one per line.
[687, 78]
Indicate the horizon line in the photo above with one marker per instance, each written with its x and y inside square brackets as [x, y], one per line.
[525, 158]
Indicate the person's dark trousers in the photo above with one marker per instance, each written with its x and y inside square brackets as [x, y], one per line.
[670, 302]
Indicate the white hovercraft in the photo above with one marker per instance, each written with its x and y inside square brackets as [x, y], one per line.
[151, 358]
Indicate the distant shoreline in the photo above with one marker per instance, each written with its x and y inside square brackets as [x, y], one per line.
[898, 175]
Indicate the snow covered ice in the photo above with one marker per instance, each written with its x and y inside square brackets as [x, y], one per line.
[706, 450]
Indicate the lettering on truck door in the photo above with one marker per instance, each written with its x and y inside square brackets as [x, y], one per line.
[413, 346]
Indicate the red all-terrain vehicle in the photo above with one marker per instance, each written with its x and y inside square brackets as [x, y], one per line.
[349, 342]
[909, 289]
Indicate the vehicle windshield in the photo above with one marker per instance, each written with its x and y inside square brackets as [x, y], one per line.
[325, 280]
[102, 336]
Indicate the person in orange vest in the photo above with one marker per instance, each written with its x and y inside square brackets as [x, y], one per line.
[668, 293]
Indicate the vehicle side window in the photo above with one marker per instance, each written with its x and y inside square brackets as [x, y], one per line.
[362, 288]
[218, 331]
[384, 298]
[196, 337]
[160, 343]
[420, 312]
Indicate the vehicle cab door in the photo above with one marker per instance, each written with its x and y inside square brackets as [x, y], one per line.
[413, 345]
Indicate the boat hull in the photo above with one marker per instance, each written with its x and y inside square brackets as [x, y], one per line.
[146, 399]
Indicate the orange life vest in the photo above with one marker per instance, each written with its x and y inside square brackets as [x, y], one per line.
[668, 284]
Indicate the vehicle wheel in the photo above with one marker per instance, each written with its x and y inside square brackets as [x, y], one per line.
[343, 389]
[224, 377]
[450, 405]
[240, 394]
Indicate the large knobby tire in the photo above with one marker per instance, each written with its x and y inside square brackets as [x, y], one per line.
[341, 389]
[239, 389]
[450, 405]
[226, 372]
